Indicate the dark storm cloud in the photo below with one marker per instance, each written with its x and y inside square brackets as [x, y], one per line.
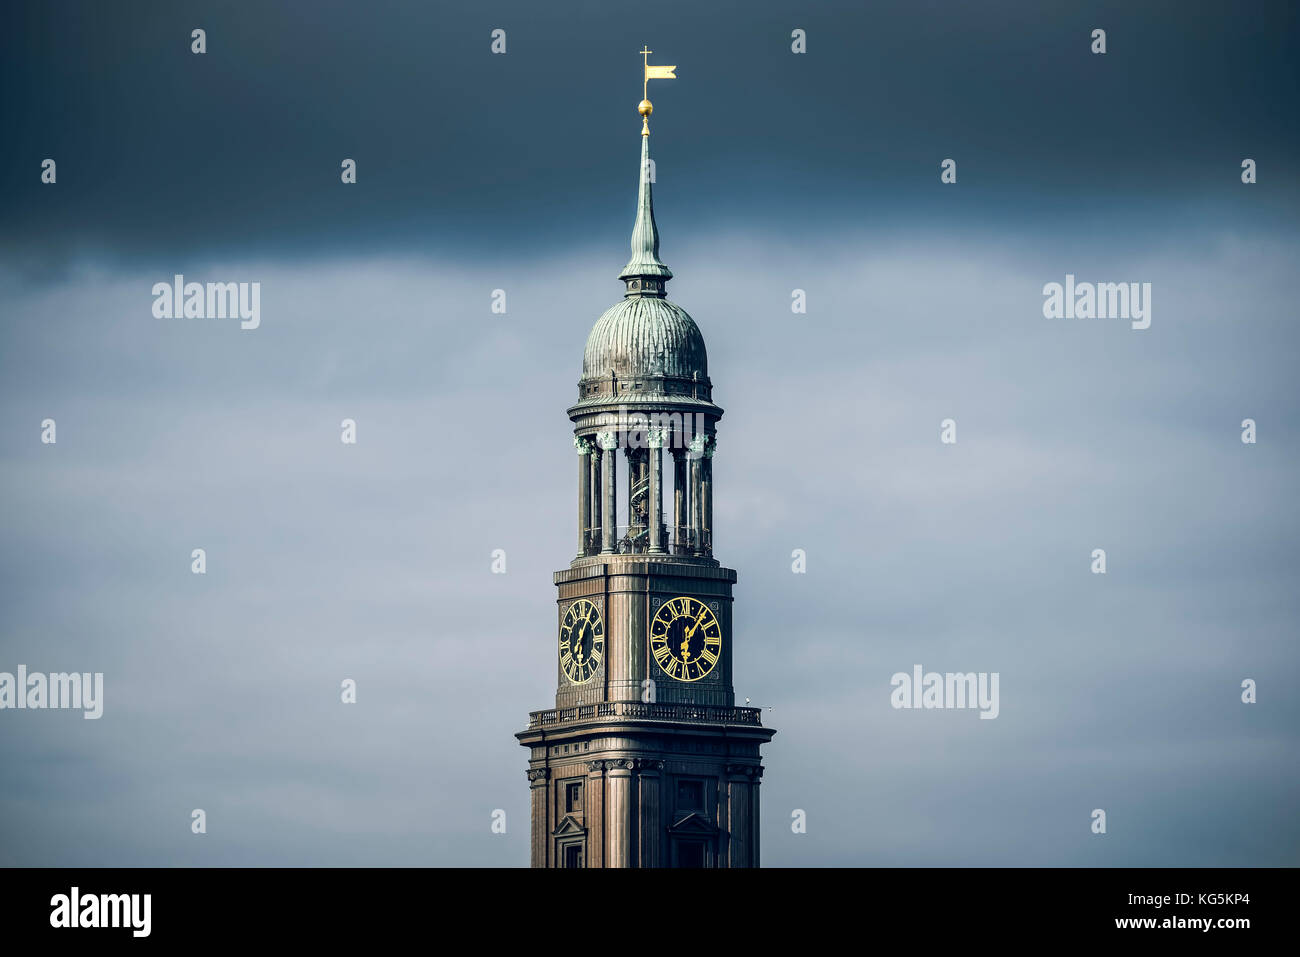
[162, 151]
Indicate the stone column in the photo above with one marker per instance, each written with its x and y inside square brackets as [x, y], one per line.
[593, 809]
[618, 819]
[696, 456]
[706, 497]
[655, 439]
[595, 499]
[584, 492]
[651, 838]
[740, 820]
[724, 820]
[608, 442]
[538, 790]
[680, 499]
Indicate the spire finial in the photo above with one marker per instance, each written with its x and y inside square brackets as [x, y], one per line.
[645, 107]
[644, 274]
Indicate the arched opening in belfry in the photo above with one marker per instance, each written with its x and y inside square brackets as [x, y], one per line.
[654, 487]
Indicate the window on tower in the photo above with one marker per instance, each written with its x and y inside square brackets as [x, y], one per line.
[573, 796]
[690, 795]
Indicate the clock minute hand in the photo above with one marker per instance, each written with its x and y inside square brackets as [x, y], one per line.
[691, 630]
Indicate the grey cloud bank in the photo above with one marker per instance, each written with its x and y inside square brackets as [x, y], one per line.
[372, 562]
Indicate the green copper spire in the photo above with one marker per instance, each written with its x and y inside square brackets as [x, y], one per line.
[644, 273]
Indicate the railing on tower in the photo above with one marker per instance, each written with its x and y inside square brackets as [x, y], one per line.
[636, 710]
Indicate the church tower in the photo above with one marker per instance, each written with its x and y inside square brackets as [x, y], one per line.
[645, 760]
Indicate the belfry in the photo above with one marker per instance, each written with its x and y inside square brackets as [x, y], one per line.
[645, 760]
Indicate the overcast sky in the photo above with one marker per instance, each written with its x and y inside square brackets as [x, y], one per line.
[775, 171]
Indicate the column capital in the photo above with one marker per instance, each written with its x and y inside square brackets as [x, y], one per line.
[582, 446]
[654, 438]
[536, 775]
[607, 440]
[595, 767]
[696, 448]
[710, 445]
[751, 771]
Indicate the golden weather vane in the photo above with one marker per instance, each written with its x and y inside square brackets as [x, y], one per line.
[645, 107]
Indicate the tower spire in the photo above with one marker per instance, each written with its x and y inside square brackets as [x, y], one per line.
[645, 604]
[644, 273]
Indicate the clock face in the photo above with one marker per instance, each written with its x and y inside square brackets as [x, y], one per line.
[685, 638]
[582, 641]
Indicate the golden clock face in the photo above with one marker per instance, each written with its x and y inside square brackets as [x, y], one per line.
[582, 641]
[685, 638]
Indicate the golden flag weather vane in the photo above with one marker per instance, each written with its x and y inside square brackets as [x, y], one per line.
[645, 107]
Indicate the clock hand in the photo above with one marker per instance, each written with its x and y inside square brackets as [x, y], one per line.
[691, 630]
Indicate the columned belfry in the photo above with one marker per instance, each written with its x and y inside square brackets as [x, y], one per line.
[645, 760]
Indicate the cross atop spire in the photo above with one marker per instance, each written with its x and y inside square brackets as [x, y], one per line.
[645, 58]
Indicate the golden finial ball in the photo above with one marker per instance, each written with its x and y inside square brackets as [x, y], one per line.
[645, 108]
